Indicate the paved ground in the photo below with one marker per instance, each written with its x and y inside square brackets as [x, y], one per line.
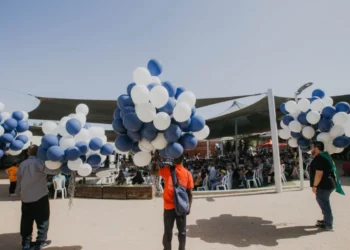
[270, 221]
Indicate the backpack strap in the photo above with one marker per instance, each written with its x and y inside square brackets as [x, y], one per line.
[173, 176]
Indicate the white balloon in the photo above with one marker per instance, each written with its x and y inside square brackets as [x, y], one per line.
[82, 108]
[53, 165]
[80, 117]
[202, 134]
[145, 112]
[62, 126]
[2, 107]
[295, 115]
[146, 146]
[2, 130]
[5, 116]
[295, 126]
[49, 127]
[96, 132]
[330, 148]
[13, 152]
[313, 117]
[340, 118]
[328, 101]
[308, 132]
[162, 121]
[85, 170]
[304, 105]
[66, 142]
[283, 125]
[187, 97]
[75, 165]
[182, 112]
[292, 142]
[347, 131]
[27, 133]
[317, 105]
[142, 76]
[159, 96]
[160, 142]
[155, 79]
[324, 137]
[339, 150]
[25, 116]
[142, 159]
[284, 133]
[291, 107]
[82, 136]
[140, 94]
[104, 139]
[337, 130]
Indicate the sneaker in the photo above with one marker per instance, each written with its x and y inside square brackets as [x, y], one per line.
[320, 222]
[26, 247]
[42, 245]
[327, 228]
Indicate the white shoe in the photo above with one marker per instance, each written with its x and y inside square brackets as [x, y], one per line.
[13, 195]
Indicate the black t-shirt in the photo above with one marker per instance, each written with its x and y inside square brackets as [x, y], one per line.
[328, 179]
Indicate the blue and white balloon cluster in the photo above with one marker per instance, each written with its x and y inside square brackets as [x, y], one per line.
[156, 115]
[14, 133]
[316, 119]
[74, 145]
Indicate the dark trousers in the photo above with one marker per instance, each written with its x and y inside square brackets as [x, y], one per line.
[322, 197]
[12, 188]
[169, 219]
[39, 212]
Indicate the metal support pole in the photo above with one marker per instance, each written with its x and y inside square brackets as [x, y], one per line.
[208, 150]
[236, 143]
[301, 164]
[275, 146]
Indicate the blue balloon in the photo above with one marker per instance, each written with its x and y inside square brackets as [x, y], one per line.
[116, 114]
[168, 107]
[22, 138]
[154, 67]
[55, 153]
[17, 115]
[162, 153]
[87, 126]
[305, 149]
[16, 145]
[42, 153]
[95, 144]
[132, 122]
[83, 158]
[135, 148]
[188, 141]
[151, 86]
[124, 100]
[135, 136]
[287, 119]
[13, 132]
[185, 126]
[123, 143]
[83, 147]
[22, 126]
[325, 125]
[65, 169]
[173, 133]
[130, 86]
[49, 140]
[342, 107]
[179, 91]
[73, 126]
[118, 126]
[341, 142]
[126, 110]
[72, 153]
[302, 119]
[7, 138]
[1, 153]
[107, 149]
[10, 124]
[303, 142]
[318, 93]
[296, 135]
[149, 131]
[328, 112]
[171, 88]
[197, 123]
[283, 109]
[174, 150]
[94, 160]
[193, 111]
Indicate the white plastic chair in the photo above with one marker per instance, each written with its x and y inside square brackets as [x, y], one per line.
[254, 180]
[59, 184]
[224, 184]
[204, 187]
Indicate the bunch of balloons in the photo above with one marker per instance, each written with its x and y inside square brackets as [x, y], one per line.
[156, 115]
[14, 133]
[314, 119]
[74, 145]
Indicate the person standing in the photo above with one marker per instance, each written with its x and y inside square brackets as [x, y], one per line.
[184, 178]
[12, 173]
[32, 186]
[322, 181]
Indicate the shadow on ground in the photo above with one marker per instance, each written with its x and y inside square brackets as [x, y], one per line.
[242, 231]
[13, 241]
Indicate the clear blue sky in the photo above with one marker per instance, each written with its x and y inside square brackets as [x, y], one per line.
[89, 49]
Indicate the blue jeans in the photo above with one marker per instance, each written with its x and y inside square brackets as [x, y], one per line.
[322, 197]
